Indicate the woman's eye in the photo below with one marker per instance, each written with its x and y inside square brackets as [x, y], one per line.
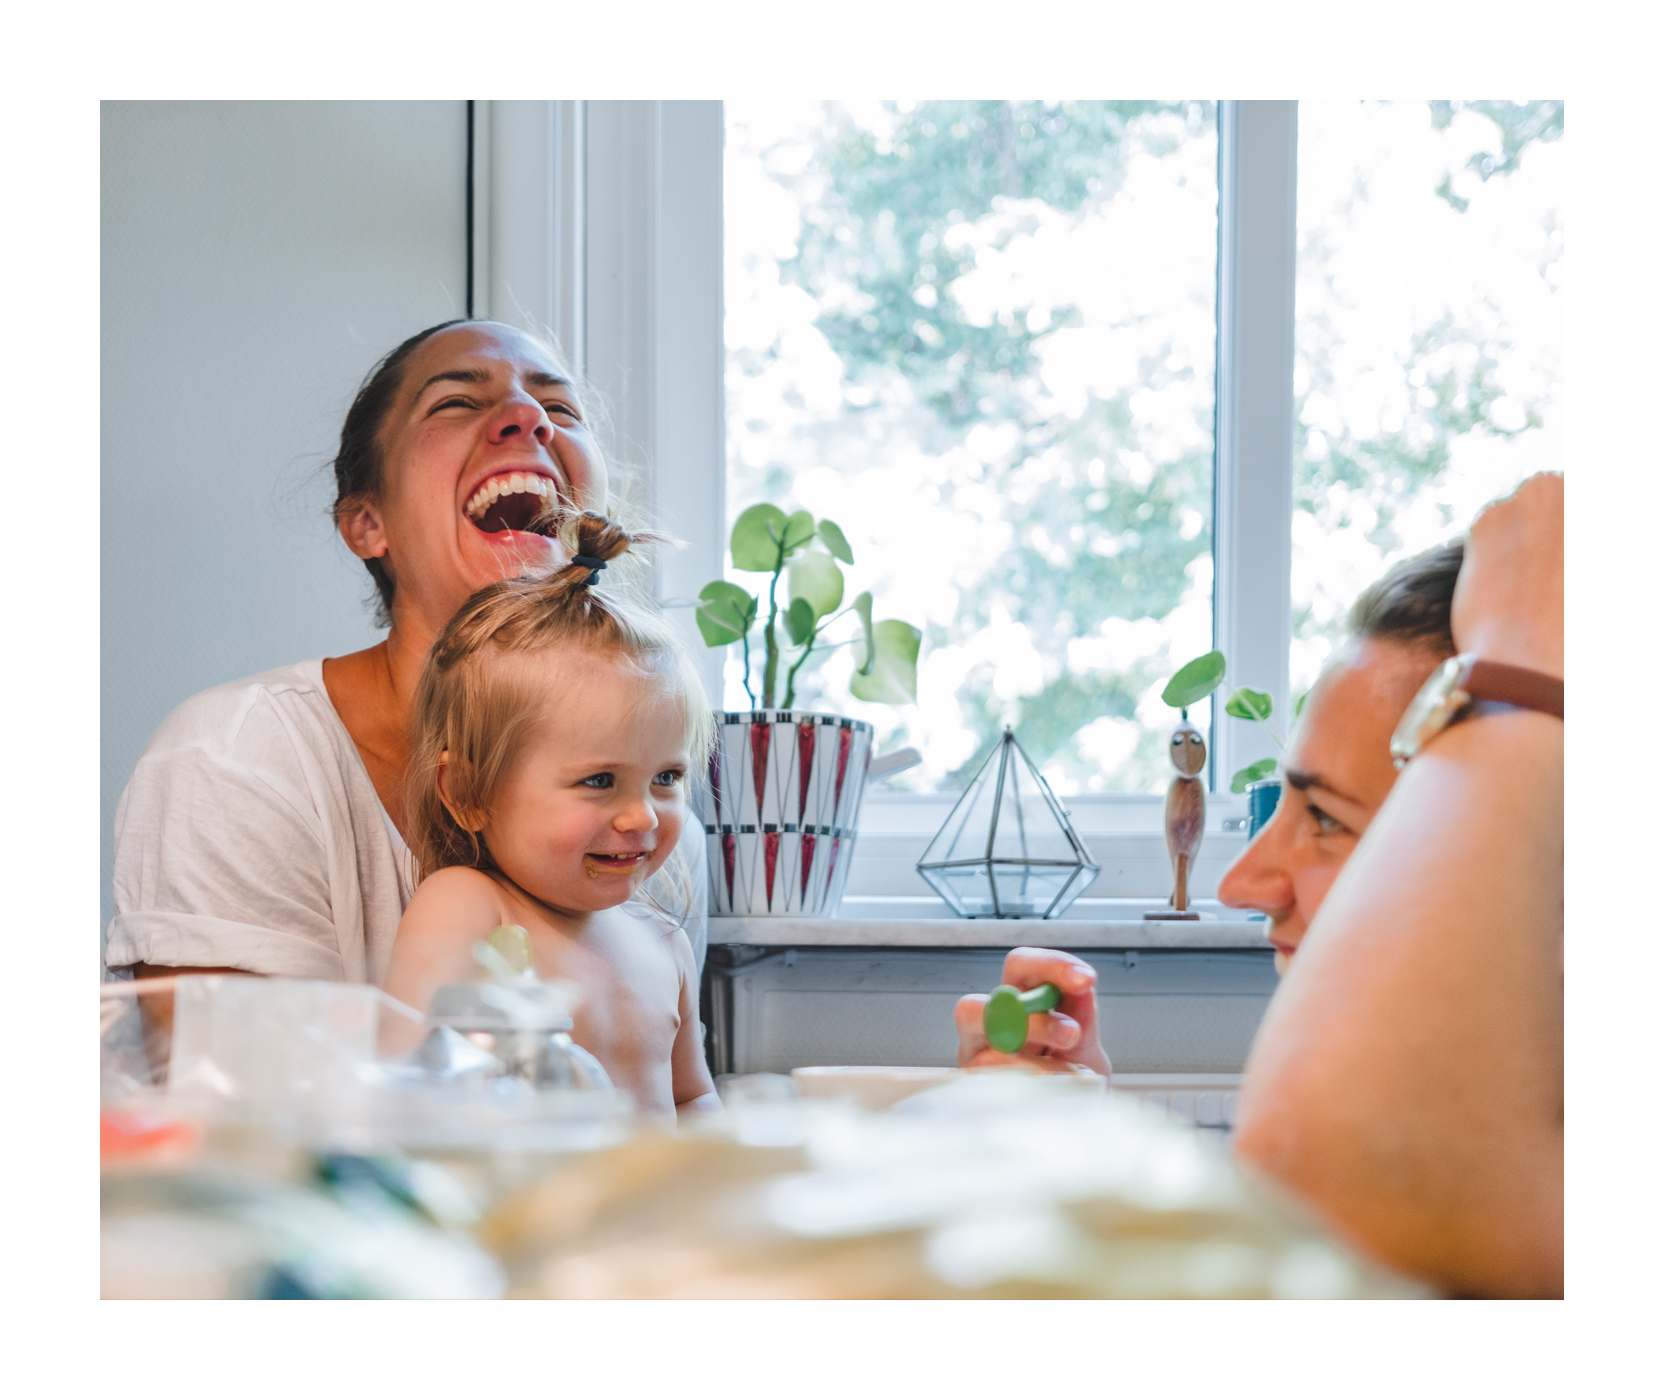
[669, 778]
[597, 780]
[1326, 825]
[451, 403]
[558, 407]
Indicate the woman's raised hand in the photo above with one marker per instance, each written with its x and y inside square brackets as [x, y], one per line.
[1510, 596]
[1059, 1039]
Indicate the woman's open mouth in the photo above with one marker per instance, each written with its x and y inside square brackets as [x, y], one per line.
[523, 501]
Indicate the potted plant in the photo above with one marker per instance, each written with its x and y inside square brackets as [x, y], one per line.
[785, 787]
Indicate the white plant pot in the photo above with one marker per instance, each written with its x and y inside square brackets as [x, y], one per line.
[780, 810]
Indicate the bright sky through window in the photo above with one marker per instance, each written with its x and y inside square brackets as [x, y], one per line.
[1428, 335]
[980, 337]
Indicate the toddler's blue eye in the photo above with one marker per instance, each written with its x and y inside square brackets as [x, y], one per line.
[669, 778]
[597, 780]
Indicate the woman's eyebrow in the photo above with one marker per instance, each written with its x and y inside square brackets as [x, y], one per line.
[459, 376]
[1300, 781]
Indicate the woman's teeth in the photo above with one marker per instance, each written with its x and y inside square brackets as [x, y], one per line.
[514, 484]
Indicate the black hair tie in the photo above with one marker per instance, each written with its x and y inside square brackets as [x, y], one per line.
[593, 565]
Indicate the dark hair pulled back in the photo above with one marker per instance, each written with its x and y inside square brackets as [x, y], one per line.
[1410, 603]
[358, 460]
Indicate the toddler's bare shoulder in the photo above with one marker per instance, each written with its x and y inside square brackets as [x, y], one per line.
[457, 897]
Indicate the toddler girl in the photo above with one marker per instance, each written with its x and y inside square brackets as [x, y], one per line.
[554, 732]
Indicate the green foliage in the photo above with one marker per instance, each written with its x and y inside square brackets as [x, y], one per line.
[815, 578]
[862, 608]
[800, 621]
[725, 614]
[1243, 703]
[767, 540]
[1264, 768]
[892, 674]
[1195, 680]
[836, 545]
[755, 544]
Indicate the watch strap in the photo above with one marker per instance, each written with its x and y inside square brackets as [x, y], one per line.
[1515, 685]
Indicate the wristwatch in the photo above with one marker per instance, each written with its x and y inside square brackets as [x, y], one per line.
[1461, 684]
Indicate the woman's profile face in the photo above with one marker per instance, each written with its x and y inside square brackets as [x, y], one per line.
[1336, 774]
[483, 432]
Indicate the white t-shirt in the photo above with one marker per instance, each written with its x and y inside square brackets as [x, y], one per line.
[250, 836]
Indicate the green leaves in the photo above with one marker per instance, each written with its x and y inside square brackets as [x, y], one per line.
[1264, 768]
[765, 537]
[800, 621]
[1194, 681]
[1244, 703]
[863, 610]
[765, 540]
[833, 538]
[725, 613]
[815, 578]
[891, 676]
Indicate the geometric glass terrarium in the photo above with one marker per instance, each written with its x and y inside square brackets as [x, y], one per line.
[1007, 850]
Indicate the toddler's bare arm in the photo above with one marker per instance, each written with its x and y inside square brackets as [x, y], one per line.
[453, 909]
[690, 1077]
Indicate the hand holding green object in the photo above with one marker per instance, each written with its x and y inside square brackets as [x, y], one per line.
[1005, 1017]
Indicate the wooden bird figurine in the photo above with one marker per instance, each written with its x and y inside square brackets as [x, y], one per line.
[1186, 809]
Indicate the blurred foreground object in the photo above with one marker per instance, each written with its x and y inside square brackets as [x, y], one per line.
[996, 1184]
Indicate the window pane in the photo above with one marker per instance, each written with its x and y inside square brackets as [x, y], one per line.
[1427, 335]
[980, 337]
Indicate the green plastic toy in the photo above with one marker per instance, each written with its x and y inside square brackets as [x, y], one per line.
[1005, 1017]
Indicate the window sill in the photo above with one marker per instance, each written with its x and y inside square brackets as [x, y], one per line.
[925, 922]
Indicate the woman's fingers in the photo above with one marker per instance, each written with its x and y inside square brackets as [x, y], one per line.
[967, 1021]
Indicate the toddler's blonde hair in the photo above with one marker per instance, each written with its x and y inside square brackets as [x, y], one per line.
[476, 700]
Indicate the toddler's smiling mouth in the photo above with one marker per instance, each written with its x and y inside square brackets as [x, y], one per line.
[613, 862]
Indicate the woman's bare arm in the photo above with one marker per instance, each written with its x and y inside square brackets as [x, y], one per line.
[1407, 1080]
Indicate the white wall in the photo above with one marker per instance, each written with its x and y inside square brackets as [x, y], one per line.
[257, 258]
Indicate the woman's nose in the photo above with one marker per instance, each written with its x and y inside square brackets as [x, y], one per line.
[522, 416]
[1259, 877]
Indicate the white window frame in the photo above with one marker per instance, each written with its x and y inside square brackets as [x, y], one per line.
[602, 221]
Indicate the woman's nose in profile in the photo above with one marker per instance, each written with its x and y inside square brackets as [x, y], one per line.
[1259, 878]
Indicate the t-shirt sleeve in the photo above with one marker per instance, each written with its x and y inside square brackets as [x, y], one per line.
[217, 865]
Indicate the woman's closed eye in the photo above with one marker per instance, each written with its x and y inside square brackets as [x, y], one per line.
[558, 406]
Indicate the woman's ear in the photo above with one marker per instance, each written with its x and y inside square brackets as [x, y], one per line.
[467, 819]
[359, 522]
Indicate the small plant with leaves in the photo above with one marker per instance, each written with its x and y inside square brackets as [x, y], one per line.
[805, 555]
[1196, 680]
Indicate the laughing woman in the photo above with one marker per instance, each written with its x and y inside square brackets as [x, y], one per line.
[263, 827]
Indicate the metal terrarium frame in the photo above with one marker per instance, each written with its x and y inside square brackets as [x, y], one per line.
[948, 837]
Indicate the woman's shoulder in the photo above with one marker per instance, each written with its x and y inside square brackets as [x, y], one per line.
[219, 716]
